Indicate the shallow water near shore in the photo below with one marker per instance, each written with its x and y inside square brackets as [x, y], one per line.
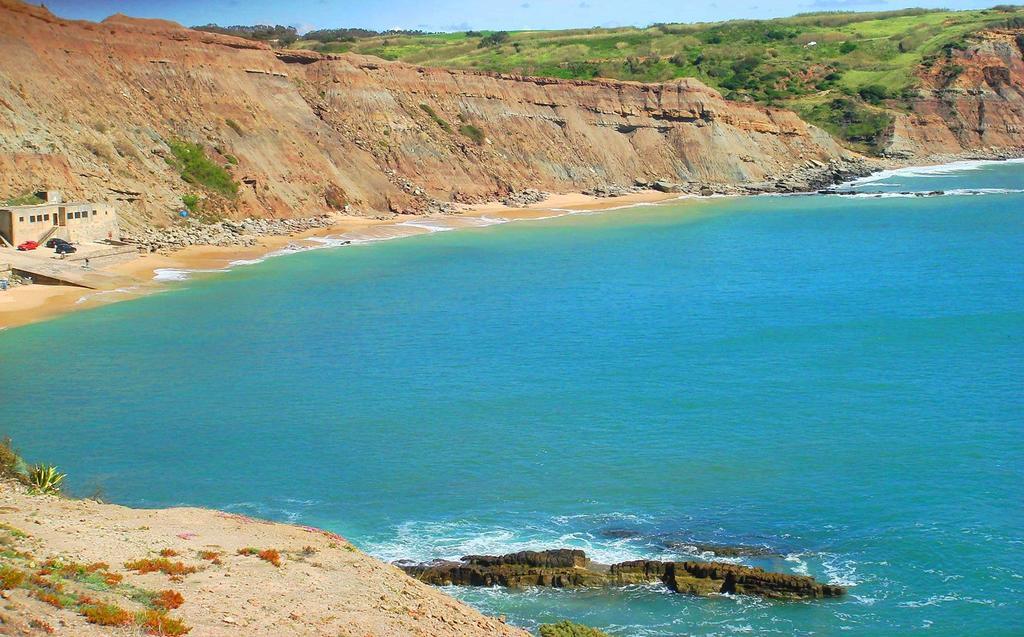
[835, 378]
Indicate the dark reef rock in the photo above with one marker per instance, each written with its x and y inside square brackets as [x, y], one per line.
[559, 568]
[566, 568]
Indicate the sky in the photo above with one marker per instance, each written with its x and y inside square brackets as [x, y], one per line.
[461, 15]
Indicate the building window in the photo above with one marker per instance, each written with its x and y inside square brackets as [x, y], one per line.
[31, 218]
[94, 213]
[46, 217]
[21, 219]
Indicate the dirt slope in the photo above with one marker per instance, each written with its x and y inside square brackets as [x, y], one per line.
[89, 108]
[323, 585]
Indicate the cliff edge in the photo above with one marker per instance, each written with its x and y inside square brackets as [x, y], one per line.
[85, 568]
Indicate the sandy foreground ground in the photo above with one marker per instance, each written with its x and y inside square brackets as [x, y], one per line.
[323, 585]
[33, 303]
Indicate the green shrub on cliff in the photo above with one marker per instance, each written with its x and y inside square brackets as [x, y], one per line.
[445, 126]
[196, 168]
[863, 127]
[473, 133]
[793, 62]
[233, 125]
[191, 202]
[11, 464]
[45, 479]
[566, 628]
[28, 199]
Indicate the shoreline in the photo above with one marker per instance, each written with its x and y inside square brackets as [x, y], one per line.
[25, 305]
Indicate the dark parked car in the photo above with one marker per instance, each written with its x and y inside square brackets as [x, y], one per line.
[56, 241]
[65, 248]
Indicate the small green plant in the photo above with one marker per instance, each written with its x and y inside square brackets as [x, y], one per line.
[45, 479]
[270, 555]
[567, 628]
[473, 133]
[196, 168]
[233, 125]
[107, 615]
[156, 622]
[494, 39]
[168, 600]
[873, 93]
[161, 564]
[445, 126]
[231, 159]
[27, 199]
[11, 577]
[191, 202]
[11, 464]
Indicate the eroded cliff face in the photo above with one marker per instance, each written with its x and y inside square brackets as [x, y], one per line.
[974, 100]
[554, 134]
[89, 108]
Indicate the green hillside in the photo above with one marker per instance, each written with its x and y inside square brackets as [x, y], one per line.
[843, 71]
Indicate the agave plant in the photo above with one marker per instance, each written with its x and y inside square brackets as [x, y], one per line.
[44, 479]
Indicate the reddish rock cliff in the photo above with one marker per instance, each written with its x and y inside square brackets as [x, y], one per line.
[972, 100]
[89, 107]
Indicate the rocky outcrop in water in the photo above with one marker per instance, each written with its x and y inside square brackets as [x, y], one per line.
[566, 568]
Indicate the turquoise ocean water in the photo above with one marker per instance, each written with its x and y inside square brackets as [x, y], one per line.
[836, 378]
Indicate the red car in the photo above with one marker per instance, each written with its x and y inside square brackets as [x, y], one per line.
[28, 245]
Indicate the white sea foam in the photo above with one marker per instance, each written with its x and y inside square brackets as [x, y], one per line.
[99, 294]
[425, 541]
[429, 225]
[953, 192]
[800, 565]
[938, 170]
[178, 274]
[840, 570]
[288, 509]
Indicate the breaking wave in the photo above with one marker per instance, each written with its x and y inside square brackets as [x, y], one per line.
[938, 170]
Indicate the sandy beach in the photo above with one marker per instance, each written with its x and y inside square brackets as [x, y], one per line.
[33, 303]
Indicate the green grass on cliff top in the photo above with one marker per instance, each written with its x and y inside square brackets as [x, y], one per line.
[771, 62]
